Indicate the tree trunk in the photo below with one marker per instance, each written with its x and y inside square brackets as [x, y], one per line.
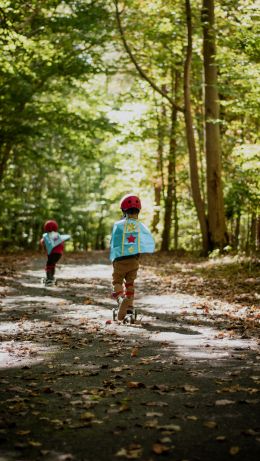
[175, 213]
[159, 179]
[166, 235]
[216, 215]
[253, 232]
[194, 176]
[258, 233]
[237, 231]
[4, 157]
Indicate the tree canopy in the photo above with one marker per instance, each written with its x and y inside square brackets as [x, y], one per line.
[99, 99]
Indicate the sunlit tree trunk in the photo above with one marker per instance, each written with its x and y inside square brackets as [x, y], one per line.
[216, 216]
[171, 194]
[193, 162]
[237, 230]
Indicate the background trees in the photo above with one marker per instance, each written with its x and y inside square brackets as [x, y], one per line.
[102, 98]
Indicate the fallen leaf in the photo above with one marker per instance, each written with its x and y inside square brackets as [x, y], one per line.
[87, 301]
[158, 403]
[210, 424]
[135, 384]
[134, 352]
[134, 451]
[170, 427]
[119, 369]
[165, 440]
[87, 416]
[124, 407]
[234, 450]
[151, 423]
[159, 448]
[161, 387]
[65, 457]
[251, 432]
[34, 443]
[23, 432]
[189, 388]
[224, 402]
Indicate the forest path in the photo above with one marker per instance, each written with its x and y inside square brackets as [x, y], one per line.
[75, 387]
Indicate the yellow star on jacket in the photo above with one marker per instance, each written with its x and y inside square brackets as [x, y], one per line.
[131, 227]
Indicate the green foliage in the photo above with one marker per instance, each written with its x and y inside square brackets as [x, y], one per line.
[79, 128]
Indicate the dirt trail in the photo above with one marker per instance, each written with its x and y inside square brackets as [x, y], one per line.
[181, 384]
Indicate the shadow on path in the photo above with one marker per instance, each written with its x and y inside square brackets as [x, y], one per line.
[76, 387]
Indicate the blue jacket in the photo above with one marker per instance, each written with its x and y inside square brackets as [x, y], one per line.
[53, 239]
[130, 237]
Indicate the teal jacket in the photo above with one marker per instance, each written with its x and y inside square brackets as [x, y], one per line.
[130, 237]
[53, 239]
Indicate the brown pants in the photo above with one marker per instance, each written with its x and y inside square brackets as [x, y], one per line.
[123, 277]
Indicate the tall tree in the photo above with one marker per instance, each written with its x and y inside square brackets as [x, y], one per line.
[216, 214]
[193, 161]
[171, 195]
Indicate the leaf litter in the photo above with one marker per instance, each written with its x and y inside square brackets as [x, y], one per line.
[113, 383]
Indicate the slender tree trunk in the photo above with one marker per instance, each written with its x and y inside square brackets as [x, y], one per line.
[166, 235]
[4, 157]
[175, 198]
[216, 215]
[237, 231]
[248, 233]
[193, 163]
[159, 178]
[258, 233]
[157, 194]
[253, 231]
[175, 211]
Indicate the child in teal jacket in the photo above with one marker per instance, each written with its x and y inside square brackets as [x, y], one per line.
[129, 239]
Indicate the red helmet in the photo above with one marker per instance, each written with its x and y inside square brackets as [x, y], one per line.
[50, 226]
[130, 201]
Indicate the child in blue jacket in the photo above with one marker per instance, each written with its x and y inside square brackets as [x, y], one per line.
[53, 243]
[129, 239]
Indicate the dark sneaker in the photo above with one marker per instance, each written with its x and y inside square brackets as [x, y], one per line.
[49, 282]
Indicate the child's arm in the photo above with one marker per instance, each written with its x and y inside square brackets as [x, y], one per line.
[42, 246]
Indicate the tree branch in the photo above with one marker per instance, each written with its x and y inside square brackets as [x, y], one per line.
[138, 67]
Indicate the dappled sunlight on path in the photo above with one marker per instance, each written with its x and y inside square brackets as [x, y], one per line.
[69, 271]
[178, 321]
[72, 378]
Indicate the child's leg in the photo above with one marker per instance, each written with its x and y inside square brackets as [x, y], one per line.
[117, 280]
[53, 258]
[130, 279]
[129, 268]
